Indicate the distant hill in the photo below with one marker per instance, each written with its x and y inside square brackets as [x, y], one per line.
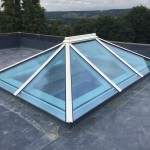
[73, 15]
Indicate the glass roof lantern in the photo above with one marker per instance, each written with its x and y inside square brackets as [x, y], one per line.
[73, 77]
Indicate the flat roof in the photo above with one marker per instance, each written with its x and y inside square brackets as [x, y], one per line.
[120, 123]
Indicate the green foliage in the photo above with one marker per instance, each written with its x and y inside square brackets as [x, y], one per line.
[117, 29]
[84, 26]
[33, 18]
[104, 27]
[72, 16]
[30, 17]
[133, 26]
[139, 18]
[11, 21]
[69, 30]
[1, 17]
[122, 30]
[57, 28]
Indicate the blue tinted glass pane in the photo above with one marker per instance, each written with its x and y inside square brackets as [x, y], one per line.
[86, 82]
[49, 84]
[135, 61]
[17, 75]
[105, 61]
[148, 63]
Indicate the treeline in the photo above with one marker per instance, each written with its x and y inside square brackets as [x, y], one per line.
[133, 26]
[71, 16]
[22, 15]
[29, 16]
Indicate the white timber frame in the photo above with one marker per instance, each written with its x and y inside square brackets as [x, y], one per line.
[69, 105]
[124, 49]
[67, 44]
[24, 60]
[121, 59]
[39, 70]
[95, 68]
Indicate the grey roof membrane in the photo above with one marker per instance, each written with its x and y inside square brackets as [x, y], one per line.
[122, 123]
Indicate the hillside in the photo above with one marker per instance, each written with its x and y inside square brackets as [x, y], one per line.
[73, 15]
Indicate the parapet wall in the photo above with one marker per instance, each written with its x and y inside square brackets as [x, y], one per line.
[36, 41]
[140, 48]
[42, 42]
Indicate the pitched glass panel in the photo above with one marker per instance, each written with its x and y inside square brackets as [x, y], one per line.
[147, 62]
[105, 61]
[86, 82]
[135, 61]
[49, 84]
[17, 75]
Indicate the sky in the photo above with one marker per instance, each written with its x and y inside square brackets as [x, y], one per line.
[76, 5]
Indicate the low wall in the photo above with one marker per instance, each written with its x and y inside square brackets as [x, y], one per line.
[143, 49]
[42, 42]
[9, 40]
[36, 41]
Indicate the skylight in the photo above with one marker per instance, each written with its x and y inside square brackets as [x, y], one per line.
[70, 79]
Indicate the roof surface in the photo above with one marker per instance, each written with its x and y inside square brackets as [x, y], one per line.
[121, 123]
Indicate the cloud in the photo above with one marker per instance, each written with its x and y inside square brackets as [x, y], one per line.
[68, 5]
[75, 5]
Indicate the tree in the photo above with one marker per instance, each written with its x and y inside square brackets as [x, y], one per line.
[84, 26]
[139, 17]
[56, 28]
[122, 30]
[1, 17]
[104, 27]
[69, 30]
[11, 21]
[33, 17]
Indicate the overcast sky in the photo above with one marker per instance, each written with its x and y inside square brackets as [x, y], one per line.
[69, 5]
